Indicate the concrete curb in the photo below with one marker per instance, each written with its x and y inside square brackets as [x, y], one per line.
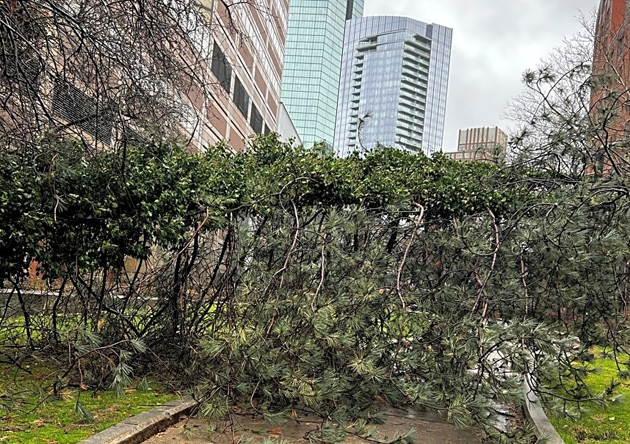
[535, 413]
[141, 427]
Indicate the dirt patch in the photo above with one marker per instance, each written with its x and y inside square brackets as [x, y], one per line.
[429, 429]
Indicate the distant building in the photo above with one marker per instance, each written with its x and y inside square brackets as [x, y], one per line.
[312, 64]
[486, 144]
[393, 85]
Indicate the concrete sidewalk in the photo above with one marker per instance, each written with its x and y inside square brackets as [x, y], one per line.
[430, 429]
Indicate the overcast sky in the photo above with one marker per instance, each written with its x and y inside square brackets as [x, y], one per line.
[494, 42]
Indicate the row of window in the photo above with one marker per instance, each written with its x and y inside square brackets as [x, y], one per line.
[222, 70]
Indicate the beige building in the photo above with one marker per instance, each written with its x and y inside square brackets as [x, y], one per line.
[485, 144]
[209, 74]
[247, 43]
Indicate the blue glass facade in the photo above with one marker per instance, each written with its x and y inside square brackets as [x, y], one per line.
[393, 87]
[312, 64]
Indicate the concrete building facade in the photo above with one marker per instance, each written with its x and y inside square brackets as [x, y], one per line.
[286, 128]
[393, 86]
[224, 82]
[248, 44]
[485, 144]
[312, 64]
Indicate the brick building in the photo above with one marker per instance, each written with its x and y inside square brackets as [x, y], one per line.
[248, 46]
[210, 69]
[611, 69]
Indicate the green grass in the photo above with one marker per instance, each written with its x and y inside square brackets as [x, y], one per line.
[608, 424]
[30, 414]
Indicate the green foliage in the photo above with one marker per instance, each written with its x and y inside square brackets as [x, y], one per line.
[22, 220]
[587, 422]
[67, 208]
[284, 277]
[115, 205]
[280, 173]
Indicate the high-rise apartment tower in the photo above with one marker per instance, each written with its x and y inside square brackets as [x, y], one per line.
[394, 81]
[312, 64]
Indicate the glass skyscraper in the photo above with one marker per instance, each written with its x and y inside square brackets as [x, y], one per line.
[394, 80]
[312, 64]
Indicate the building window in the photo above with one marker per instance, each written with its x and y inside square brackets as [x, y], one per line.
[241, 98]
[256, 120]
[82, 112]
[221, 68]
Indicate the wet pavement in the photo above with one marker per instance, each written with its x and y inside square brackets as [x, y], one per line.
[429, 429]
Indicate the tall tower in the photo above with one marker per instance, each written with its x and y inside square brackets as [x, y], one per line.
[394, 81]
[312, 64]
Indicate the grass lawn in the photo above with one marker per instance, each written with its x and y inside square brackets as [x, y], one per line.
[600, 424]
[29, 414]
